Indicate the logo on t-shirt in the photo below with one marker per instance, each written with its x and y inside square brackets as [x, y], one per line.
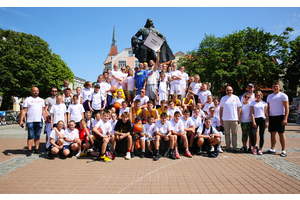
[166, 128]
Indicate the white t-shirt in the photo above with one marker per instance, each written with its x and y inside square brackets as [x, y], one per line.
[107, 87]
[123, 110]
[130, 83]
[117, 100]
[207, 130]
[151, 79]
[258, 109]
[115, 82]
[86, 93]
[103, 88]
[177, 127]
[195, 87]
[150, 129]
[70, 135]
[197, 121]
[96, 99]
[187, 123]
[58, 111]
[215, 122]
[245, 114]
[175, 73]
[105, 127]
[162, 129]
[184, 78]
[171, 112]
[94, 122]
[144, 99]
[75, 111]
[55, 137]
[207, 106]
[201, 114]
[123, 84]
[34, 109]
[276, 103]
[113, 124]
[217, 112]
[203, 96]
[230, 106]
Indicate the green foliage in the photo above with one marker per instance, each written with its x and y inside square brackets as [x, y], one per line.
[246, 56]
[26, 61]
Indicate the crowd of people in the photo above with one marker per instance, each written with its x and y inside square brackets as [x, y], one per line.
[150, 105]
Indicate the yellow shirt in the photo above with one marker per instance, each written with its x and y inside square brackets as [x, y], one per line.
[159, 110]
[135, 114]
[153, 113]
[185, 101]
[177, 103]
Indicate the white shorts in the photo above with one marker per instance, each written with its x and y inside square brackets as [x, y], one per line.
[175, 88]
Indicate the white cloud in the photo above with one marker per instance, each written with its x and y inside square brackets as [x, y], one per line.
[15, 12]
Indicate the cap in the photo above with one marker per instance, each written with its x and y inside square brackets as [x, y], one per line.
[250, 84]
[138, 118]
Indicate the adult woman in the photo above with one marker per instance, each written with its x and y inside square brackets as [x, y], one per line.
[129, 86]
[259, 114]
[246, 122]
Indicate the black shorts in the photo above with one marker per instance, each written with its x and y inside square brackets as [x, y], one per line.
[275, 124]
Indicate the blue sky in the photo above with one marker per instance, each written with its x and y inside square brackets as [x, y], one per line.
[82, 36]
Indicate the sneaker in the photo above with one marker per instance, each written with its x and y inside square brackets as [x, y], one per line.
[254, 151]
[37, 151]
[172, 156]
[127, 157]
[188, 154]
[260, 152]
[143, 155]
[78, 154]
[29, 152]
[283, 154]
[219, 149]
[156, 157]
[234, 150]
[212, 149]
[199, 152]
[227, 149]
[244, 149]
[177, 155]
[249, 150]
[271, 151]
[83, 153]
[104, 158]
[132, 154]
[50, 155]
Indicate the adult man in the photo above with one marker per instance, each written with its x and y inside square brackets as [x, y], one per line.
[175, 77]
[140, 79]
[48, 104]
[230, 108]
[117, 78]
[278, 109]
[35, 108]
[250, 89]
[184, 82]
[151, 80]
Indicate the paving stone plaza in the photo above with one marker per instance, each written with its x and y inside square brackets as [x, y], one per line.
[229, 173]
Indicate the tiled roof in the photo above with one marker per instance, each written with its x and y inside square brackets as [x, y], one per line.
[113, 51]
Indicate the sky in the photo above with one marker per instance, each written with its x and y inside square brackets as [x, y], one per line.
[82, 34]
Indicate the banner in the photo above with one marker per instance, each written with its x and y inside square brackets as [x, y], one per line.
[153, 41]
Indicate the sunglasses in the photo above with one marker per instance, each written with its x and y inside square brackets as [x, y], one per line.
[59, 124]
[122, 69]
[246, 97]
[142, 92]
[54, 91]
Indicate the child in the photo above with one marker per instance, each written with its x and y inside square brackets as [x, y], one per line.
[151, 111]
[189, 126]
[215, 122]
[177, 129]
[123, 130]
[195, 87]
[203, 95]
[129, 86]
[149, 130]
[102, 137]
[86, 94]
[175, 100]
[209, 103]
[89, 120]
[71, 140]
[124, 108]
[163, 132]
[217, 108]
[84, 136]
[66, 85]
[96, 98]
[188, 102]
[113, 122]
[163, 107]
[75, 111]
[201, 113]
[135, 111]
[172, 109]
[207, 135]
[108, 93]
[55, 141]
[58, 112]
[78, 92]
[138, 136]
[162, 88]
[102, 84]
[117, 99]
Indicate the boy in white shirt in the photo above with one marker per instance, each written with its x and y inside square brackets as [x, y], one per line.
[149, 137]
[172, 109]
[113, 124]
[124, 108]
[175, 77]
[177, 129]
[163, 132]
[189, 126]
[201, 113]
[208, 136]
[55, 141]
[96, 98]
[162, 89]
[215, 122]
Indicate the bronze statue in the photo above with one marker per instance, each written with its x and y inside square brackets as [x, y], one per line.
[144, 53]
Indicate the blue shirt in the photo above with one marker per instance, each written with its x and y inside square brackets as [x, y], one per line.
[140, 77]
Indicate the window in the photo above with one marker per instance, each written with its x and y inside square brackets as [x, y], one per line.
[130, 53]
[136, 64]
[122, 63]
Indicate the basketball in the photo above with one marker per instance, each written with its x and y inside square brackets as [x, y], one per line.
[137, 128]
[113, 89]
[117, 105]
[100, 130]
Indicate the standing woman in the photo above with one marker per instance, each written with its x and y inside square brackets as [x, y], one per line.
[58, 112]
[260, 117]
[246, 122]
[129, 86]
[85, 94]
[195, 87]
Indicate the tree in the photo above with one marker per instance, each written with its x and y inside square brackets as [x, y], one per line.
[293, 67]
[249, 55]
[26, 61]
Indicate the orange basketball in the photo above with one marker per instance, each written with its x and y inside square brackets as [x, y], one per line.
[137, 128]
[117, 105]
[100, 130]
[113, 89]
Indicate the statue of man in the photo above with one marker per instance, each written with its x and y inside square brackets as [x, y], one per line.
[144, 53]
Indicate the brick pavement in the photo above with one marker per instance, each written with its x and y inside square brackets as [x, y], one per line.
[228, 174]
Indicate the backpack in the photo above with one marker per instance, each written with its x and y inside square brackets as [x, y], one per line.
[209, 153]
[110, 152]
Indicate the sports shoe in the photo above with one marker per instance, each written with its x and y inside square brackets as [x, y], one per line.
[271, 151]
[127, 157]
[243, 149]
[172, 156]
[254, 151]
[37, 151]
[259, 152]
[132, 154]
[156, 157]
[143, 155]
[78, 154]
[219, 149]
[212, 149]
[83, 153]
[104, 158]
[29, 152]
[177, 156]
[283, 154]
[188, 154]
[199, 151]
[249, 150]
[50, 155]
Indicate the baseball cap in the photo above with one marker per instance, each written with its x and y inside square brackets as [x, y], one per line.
[250, 84]
[138, 118]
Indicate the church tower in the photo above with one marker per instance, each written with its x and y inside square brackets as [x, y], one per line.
[113, 51]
